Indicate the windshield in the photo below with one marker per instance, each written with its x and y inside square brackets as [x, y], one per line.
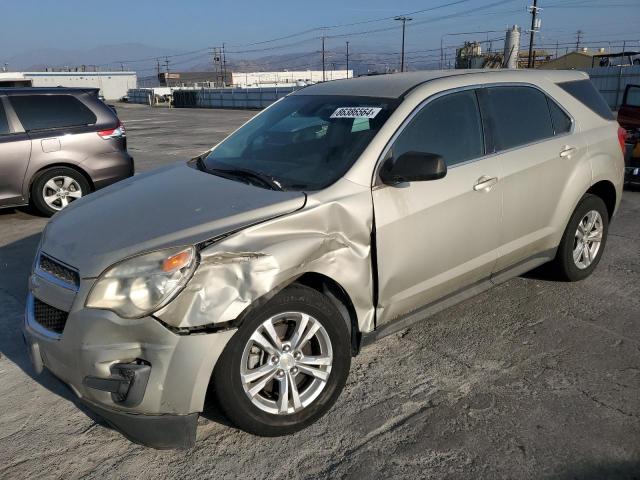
[303, 142]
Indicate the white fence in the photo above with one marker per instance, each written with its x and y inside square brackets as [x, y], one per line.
[611, 82]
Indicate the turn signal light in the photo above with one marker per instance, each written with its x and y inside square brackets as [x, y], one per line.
[177, 261]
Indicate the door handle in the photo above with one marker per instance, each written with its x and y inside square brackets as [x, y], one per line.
[567, 151]
[485, 183]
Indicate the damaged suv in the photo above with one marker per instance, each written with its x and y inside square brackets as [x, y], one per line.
[340, 214]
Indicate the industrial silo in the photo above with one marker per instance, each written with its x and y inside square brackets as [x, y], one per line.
[511, 47]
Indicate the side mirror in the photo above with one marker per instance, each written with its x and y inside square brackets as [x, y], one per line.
[413, 167]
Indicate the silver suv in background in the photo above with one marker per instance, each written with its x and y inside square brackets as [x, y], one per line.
[57, 145]
[342, 213]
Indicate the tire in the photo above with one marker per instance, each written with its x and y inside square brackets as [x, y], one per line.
[565, 266]
[284, 311]
[72, 183]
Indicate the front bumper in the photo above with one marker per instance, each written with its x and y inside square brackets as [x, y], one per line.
[94, 341]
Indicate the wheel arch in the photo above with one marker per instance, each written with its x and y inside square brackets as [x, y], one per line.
[323, 284]
[49, 166]
[607, 192]
[341, 300]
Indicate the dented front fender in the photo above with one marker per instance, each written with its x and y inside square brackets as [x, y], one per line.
[331, 235]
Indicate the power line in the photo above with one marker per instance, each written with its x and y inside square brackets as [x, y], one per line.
[426, 21]
[316, 29]
[342, 25]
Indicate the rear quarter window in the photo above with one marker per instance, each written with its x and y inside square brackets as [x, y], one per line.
[586, 93]
[561, 121]
[38, 112]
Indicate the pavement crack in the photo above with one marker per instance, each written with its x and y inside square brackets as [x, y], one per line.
[623, 236]
[606, 405]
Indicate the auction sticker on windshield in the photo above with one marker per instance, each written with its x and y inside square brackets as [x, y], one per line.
[356, 112]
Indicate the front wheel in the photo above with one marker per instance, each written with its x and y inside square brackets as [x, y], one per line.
[583, 241]
[286, 365]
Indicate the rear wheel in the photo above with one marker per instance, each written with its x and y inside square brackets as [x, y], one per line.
[57, 187]
[584, 240]
[286, 365]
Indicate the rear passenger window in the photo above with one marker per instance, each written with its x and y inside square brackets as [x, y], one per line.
[38, 112]
[561, 121]
[520, 116]
[449, 126]
[4, 124]
[632, 96]
[586, 93]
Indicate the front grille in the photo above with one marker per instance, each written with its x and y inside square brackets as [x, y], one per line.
[49, 317]
[59, 270]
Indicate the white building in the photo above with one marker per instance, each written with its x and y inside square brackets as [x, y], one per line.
[112, 85]
[257, 79]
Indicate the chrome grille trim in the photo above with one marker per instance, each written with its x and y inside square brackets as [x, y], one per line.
[57, 272]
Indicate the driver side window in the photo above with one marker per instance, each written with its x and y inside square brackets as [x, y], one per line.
[449, 126]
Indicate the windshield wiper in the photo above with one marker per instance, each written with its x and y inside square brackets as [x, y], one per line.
[262, 178]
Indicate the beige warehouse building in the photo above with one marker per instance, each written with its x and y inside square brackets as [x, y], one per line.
[112, 85]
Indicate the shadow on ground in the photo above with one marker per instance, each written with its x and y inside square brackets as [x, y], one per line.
[15, 265]
[604, 471]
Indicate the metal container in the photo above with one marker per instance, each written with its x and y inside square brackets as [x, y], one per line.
[512, 47]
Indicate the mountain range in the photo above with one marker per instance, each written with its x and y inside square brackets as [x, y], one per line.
[142, 59]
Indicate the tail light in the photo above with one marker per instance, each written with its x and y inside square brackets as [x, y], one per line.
[622, 136]
[117, 132]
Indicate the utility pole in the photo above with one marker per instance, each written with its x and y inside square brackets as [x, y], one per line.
[578, 38]
[404, 21]
[324, 76]
[347, 59]
[534, 13]
[166, 64]
[224, 66]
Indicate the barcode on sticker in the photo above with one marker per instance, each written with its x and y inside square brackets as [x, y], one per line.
[356, 112]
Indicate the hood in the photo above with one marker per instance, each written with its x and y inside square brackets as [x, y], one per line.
[171, 206]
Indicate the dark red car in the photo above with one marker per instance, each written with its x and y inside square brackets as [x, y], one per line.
[629, 119]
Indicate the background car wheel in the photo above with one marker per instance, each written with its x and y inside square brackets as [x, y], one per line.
[55, 188]
[286, 365]
[583, 241]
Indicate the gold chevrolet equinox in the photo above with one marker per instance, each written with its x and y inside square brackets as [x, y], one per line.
[342, 213]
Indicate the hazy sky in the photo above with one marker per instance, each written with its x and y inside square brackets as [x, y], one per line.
[190, 25]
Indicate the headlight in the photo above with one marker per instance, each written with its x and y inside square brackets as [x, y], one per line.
[141, 285]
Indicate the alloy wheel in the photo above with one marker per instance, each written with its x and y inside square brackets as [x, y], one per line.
[61, 190]
[286, 363]
[588, 238]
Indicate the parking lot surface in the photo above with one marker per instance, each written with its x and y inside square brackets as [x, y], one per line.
[533, 379]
